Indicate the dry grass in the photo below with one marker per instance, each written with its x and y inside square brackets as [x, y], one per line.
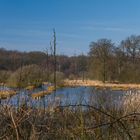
[100, 84]
[30, 87]
[40, 94]
[43, 93]
[131, 102]
[6, 93]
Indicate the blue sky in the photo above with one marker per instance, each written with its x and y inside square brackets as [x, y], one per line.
[27, 25]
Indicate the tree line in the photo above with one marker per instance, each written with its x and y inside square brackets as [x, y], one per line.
[105, 61]
[116, 63]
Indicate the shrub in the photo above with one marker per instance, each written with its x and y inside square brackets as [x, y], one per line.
[59, 78]
[4, 75]
[25, 76]
[72, 77]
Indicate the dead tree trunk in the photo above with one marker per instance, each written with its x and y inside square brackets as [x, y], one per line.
[54, 55]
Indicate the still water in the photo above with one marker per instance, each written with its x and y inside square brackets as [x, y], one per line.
[67, 96]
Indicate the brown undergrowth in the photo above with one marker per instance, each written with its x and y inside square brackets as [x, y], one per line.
[71, 121]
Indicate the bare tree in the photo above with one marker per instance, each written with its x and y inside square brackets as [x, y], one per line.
[102, 51]
[54, 55]
[132, 47]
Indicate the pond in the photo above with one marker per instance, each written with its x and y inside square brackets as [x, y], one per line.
[69, 95]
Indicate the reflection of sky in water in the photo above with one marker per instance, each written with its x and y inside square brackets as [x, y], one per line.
[71, 95]
[66, 96]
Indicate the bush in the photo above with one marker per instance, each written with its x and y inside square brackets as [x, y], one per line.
[26, 76]
[59, 78]
[72, 77]
[4, 75]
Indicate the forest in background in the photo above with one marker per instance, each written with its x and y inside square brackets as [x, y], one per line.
[105, 62]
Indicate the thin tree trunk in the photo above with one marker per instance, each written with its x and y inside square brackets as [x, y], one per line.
[54, 53]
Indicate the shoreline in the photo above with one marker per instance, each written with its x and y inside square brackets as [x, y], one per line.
[99, 84]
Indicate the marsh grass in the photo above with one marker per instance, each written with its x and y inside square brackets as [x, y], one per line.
[6, 93]
[91, 121]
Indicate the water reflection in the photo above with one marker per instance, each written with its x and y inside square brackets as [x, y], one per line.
[66, 96]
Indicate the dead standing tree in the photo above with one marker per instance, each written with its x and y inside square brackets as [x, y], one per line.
[53, 56]
[54, 43]
[47, 63]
